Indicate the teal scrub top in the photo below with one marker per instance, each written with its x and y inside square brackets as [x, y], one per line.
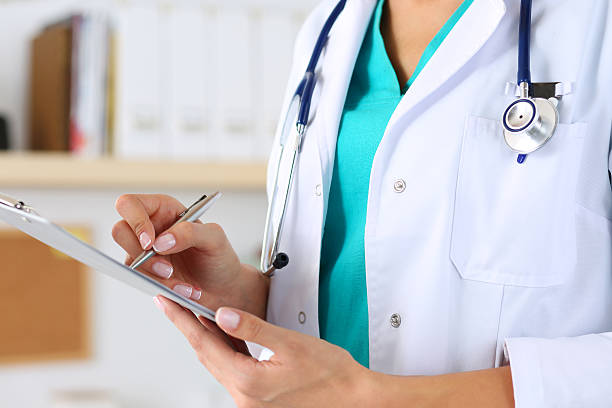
[373, 95]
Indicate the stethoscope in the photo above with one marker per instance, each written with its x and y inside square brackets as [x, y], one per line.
[528, 124]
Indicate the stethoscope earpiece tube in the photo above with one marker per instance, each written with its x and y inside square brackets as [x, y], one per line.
[309, 84]
[524, 72]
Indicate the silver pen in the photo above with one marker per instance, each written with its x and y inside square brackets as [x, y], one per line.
[192, 213]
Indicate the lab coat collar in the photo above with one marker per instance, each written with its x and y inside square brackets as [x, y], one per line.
[466, 38]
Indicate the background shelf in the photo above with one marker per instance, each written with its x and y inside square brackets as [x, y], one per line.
[60, 170]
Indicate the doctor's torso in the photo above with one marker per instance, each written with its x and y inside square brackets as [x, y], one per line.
[464, 246]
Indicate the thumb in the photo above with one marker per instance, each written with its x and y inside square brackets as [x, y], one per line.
[247, 327]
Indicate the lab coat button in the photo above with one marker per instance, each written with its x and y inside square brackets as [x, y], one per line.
[399, 186]
[302, 317]
[396, 320]
[318, 189]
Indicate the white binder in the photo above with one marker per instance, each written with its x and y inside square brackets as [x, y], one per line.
[24, 218]
[141, 121]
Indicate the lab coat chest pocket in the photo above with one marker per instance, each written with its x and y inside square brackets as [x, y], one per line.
[513, 223]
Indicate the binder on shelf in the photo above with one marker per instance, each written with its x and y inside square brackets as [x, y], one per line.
[90, 62]
[234, 138]
[141, 128]
[190, 78]
[68, 89]
[50, 88]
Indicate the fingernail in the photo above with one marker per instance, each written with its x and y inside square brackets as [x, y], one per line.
[197, 294]
[183, 290]
[163, 270]
[164, 243]
[227, 319]
[158, 303]
[145, 240]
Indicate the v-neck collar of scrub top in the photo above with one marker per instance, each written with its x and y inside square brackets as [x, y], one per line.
[467, 37]
[386, 83]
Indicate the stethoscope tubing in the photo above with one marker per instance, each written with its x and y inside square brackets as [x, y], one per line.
[307, 84]
[524, 63]
[306, 87]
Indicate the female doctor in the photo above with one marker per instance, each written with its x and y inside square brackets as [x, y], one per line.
[431, 261]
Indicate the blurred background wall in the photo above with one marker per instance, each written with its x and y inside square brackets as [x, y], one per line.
[178, 97]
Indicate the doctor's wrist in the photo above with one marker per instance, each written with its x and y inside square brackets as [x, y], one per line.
[250, 292]
[482, 388]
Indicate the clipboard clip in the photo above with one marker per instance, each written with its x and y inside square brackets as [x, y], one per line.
[19, 205]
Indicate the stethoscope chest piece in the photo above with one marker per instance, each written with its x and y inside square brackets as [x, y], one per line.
[529, 123]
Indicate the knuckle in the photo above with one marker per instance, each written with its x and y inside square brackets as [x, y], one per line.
[138, 226]
[122, 205]
[117, 228]
[215, 228]
[246, 385]
[251, 404]
[243, 401]
[202, 358]
[195, 339]
[184, 232]
[166, 198]
[216, 232]
[294, 347]
[253, 328]
[244, 366]
[123, 201]
[343, 354]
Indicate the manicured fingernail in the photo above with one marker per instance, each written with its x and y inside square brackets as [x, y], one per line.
[183, 290]
[162, 269]
[145, 240]
[158, 303]
[164, 243]
[197, 294]
[227, 319]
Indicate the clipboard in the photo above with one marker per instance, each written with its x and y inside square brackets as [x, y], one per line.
[23, 217]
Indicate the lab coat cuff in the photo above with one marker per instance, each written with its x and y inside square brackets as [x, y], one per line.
[525, 364]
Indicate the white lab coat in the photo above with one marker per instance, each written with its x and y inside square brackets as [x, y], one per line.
[486, 261]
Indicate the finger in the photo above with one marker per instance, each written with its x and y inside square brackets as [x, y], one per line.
[157, 265]
[136, 214]
[247, 327]
[205, 237]
[238, 345]
[186, 290]
[124, 236]
[163, 210]
[161, 271]
[212, 350]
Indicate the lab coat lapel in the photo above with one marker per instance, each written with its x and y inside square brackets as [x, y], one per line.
[466, 38]
[334, 77]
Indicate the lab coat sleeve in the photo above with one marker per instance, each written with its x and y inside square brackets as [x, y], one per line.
[562, 372]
